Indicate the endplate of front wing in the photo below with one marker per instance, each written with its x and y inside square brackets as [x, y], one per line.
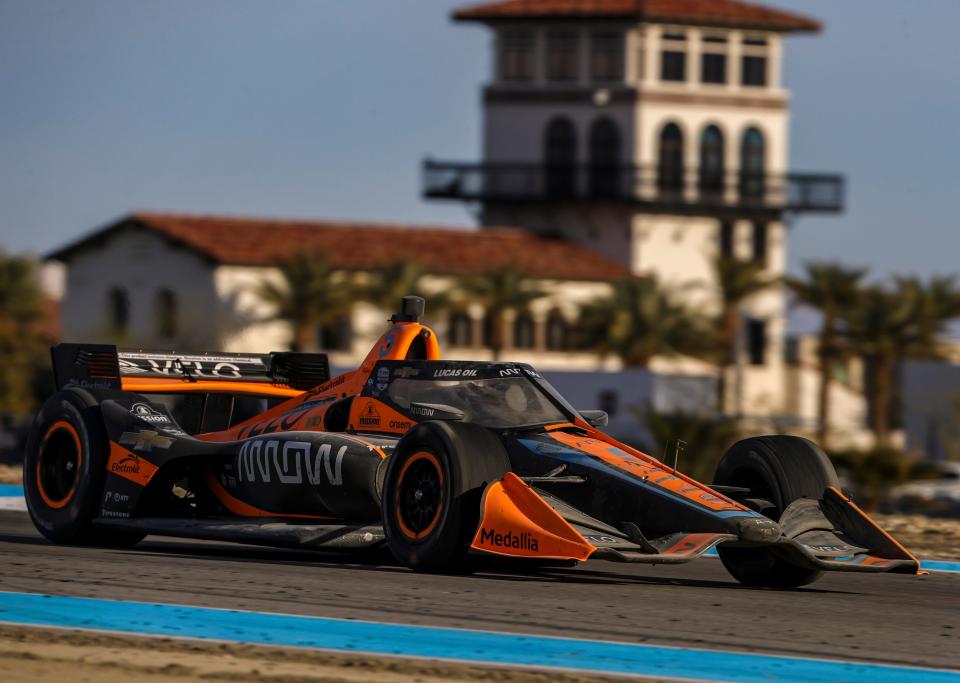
[518, 521]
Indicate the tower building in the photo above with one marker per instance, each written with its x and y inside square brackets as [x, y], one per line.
[655, 133]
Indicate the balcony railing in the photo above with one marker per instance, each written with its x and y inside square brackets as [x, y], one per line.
[663, 187]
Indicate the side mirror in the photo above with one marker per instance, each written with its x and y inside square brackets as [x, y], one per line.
[595, 418]
[436, 411]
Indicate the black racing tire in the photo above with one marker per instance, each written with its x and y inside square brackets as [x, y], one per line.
[780, 469]
[432, 493]
[64, 469]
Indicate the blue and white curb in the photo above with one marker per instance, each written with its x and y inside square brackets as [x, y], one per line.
[447, 644]
[11, 497]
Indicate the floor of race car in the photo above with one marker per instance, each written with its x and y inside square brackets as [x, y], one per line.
[875, 618]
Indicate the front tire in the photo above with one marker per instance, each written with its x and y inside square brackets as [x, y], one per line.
[64, 468]
[779, 470]
[432, 493]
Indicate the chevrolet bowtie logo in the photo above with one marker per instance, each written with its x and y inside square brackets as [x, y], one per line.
[145, 440]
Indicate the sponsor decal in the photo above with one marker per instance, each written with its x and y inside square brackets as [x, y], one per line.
[370, 417]
[402, 425]
[313, 422]
[113, 513]
[289, 462]
[283, 423]
[90, 383]
[601, 539]
[383, 379]
[148, 413]
[114, 497]
[128, 464]
[406, 372]
[523, 541]
[145, 440]
[455, 372]
[510, 372]
[388, 341]
[219, 367]
[128, 368]
[335, 382]
[422, 411]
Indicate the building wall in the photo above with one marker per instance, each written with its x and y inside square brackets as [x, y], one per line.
[142, 264]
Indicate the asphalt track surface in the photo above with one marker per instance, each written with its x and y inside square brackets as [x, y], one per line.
[869, 618]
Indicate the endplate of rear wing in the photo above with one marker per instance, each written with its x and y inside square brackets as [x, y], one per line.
[104, 366]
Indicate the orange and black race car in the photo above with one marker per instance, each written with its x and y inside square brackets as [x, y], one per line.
[441, 461]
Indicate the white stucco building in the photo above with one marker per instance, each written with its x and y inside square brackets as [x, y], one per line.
[619, 137]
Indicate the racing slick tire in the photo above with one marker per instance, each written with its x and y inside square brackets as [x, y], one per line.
[64, 468]
[778, 469]
[432, 493]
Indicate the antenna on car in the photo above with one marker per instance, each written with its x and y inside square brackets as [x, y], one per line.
[678, 446]
[411, 310]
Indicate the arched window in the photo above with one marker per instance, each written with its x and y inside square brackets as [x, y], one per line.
[711, 162]
[523, 336]
[752, 164]
[167, 314]
[118, 309]
[604, 158]
[458, 332]
[560, 157]
[670, 164]
[557, 332]
[335, 335]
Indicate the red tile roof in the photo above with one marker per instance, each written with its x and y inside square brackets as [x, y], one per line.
[263, 241]
[732, 13]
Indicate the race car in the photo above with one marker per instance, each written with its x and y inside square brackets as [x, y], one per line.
[442, 461]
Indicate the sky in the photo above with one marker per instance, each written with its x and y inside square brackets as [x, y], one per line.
[326, 108]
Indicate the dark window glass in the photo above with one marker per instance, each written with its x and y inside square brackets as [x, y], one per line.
[167, 314]
[523, 337]
[606, 56]
[557, 332]
[563, 56]
[673, 65]
[118, 307]
[560, 157]
[516, 56]
[714, 68]
[754, 70]
[712, 169]
[608, 401]
[334, 336]
[726, 239]
[752, 164]
[670, 163]
[604, 158]
[755, 41]
[760, 243]
[459, 333]
[715, 39]
[756, 333]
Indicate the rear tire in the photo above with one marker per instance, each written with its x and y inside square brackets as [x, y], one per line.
[64, 468]
[780, 469]
[432, 492]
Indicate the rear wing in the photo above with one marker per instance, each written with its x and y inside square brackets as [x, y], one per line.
[104, 366]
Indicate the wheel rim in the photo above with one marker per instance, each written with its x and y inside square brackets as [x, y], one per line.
[58, 465]
[419, 498]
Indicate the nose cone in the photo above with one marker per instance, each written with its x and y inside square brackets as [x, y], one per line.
[758, 530]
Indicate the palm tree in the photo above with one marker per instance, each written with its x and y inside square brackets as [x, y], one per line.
[392, 282]
[834, 290]
[640, 320]
[738, 281]
[22, 340]
[896, 323]
[310, 295]
[498, 291]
